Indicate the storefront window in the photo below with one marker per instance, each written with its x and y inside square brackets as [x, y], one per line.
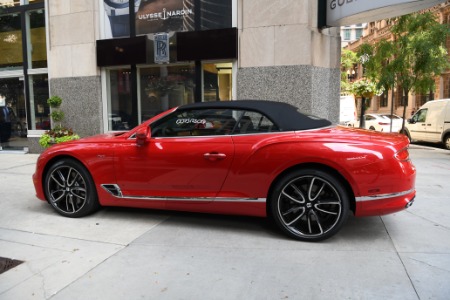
[164, 87]
[9, 3]
[39, 107]
[13, 124]
[11, 57]
[217, 81]
[38, 47]
[120, 106]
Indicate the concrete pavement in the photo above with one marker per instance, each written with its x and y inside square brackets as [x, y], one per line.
[122, 253]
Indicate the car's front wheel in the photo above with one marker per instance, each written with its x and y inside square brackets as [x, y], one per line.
[69, 188]
[309, 204]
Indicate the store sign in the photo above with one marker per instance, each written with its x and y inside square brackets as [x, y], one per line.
[348, 12]
[161, 48]
[165, 16]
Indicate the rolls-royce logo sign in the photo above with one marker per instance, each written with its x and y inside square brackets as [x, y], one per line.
[161, 48]
[348, 12]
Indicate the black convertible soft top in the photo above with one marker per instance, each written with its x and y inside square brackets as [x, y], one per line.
[286, 116]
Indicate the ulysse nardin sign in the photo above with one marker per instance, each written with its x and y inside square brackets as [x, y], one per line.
[348, 12]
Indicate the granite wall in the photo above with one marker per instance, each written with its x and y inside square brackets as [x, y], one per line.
[314, 90]
[82, 106]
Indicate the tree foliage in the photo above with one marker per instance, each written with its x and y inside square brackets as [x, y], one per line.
[412, 58]
[348, 60]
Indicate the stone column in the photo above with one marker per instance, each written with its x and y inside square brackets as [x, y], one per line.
[283, 56]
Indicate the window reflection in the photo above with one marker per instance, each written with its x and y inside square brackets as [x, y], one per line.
[38, 39]
[10, 42]
[39, 108]
[120, 108]
[217, 81]
[164, 87]
[9, 3]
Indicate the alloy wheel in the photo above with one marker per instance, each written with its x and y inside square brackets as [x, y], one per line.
[67, 189]
[310, 207]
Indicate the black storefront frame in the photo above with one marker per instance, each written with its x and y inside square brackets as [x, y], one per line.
[23, 10]
[197, 62]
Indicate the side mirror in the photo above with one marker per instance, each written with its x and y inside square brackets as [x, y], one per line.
[411, 121]
[142, 135]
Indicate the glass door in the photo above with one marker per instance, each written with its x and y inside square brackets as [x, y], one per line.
[13, 116]
[217, 81]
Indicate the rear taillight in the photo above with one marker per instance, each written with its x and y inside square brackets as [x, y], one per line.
[402, 155]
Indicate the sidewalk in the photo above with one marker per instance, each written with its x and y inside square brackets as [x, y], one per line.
[122, 253]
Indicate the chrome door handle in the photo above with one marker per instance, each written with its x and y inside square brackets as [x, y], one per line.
[214, 156]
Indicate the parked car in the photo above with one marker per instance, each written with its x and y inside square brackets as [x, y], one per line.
[249, 157]
[347, 109]
[431, 123]
[380, 122]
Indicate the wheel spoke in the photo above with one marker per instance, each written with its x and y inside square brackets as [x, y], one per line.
[57, 181]
[297, 218]
[58, 198]
[335, 203]
[293, 199]
[311, 187]
[316, 218]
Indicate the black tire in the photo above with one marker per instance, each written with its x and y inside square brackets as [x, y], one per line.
[69, 188]
[406, 133]
[309, 204]
[447, 141]
[372, 128]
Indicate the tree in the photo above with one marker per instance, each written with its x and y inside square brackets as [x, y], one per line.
[348, 60]
[412, 59]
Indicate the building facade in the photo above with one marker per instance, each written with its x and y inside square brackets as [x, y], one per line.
[352, 33]
[116, 64]
[380, 30]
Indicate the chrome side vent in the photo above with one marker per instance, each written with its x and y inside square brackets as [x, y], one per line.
[113, 189]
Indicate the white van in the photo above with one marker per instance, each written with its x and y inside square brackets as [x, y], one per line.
[431, 123]
[347, 112]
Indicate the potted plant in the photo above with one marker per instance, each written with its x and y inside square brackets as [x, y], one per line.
[365, 89]
[58, 133]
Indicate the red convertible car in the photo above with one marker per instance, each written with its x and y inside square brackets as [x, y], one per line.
[247, 157]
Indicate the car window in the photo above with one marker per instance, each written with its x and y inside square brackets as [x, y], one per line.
[203, 122]
[253, 122]
[196, 122]
[392, 117]
[369, 118]
[420, 116]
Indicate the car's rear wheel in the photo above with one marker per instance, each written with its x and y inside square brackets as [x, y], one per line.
[69, 188]
[309, 204]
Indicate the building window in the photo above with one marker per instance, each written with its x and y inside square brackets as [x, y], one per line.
[39, 108]
[37, 40]
[384, 99]
[359, 33]
[23, 69]
[217, 81]
[120, 107]
[347, 34]
[11, 57]
[164, 87]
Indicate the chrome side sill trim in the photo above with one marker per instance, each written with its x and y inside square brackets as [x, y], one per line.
[383, 196]
[115, 190]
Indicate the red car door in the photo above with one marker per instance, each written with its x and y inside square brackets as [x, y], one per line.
[177, 167]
